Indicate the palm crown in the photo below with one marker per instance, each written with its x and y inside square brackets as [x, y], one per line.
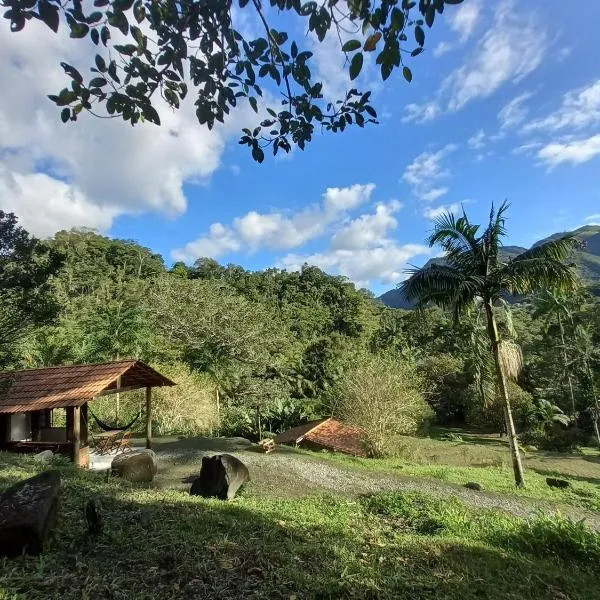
[473, 268]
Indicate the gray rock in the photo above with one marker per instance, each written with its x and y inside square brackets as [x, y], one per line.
[45, 457]
[240, 441]
[473, 485]
[28, 513]
[221, 476]
[558, 483]
[139, 466]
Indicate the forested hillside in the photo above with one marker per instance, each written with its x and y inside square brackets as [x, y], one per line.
[270, 349]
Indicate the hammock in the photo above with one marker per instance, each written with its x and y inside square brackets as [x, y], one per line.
[107, 427]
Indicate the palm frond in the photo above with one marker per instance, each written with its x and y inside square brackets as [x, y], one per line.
[455, 236]
[543, 266]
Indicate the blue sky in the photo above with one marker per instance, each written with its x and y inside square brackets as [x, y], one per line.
[504, 104]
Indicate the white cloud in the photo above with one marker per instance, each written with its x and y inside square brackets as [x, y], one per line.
[433, 194]
[528, 148]
[385, 264]
[277, 230]
[45, 205]
[442, 48]
[424, 173]
[515, 112]
[510, 50]
[464, 20]
[367, 230]
[421, 113]
[477, 141]
[580, 109]
[434, 213]
[593, 219]
[99, 168]
[574, 151]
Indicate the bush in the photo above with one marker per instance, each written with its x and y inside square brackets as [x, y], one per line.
[445, 383]
[491, 418]
[383, 397]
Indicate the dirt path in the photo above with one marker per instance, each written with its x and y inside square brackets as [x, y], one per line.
[289, 474]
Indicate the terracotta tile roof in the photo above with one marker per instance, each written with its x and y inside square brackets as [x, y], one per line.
[327, 433]
[72, 385]
[296, 434]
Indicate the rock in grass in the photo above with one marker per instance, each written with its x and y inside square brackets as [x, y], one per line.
[139, 466]
[558, 483]
[44, 457]
[28, 513]
[473, 485]
[221, 477]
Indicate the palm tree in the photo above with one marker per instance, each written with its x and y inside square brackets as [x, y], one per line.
[473, 270]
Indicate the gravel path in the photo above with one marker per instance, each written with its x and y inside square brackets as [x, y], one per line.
[286, 474]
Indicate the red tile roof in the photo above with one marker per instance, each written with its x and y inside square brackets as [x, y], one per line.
[72, 385]
[327, 433]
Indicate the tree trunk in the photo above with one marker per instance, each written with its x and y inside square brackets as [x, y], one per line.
[510, 426]
[566, 361]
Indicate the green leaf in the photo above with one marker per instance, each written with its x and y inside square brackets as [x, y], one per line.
[150, 114]
[351, 45]
[407, 74]
[98, 82]
[419, 35]
[65, 115]
[78, 30]
[49, 14]
[105, 35]
[100, 63]
[72, 72]
[253, 103]
[257, 154]
[356, 65]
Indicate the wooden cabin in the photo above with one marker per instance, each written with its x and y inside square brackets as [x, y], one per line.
[29, 397]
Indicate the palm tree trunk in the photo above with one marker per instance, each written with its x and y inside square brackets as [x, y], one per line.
[567, 371]
[596, 413]
[510, 425]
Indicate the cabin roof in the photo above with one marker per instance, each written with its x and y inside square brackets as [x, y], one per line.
[328, 433]
[72, 385]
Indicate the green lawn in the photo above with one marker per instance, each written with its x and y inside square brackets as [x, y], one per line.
[166, 544]
[486, 459]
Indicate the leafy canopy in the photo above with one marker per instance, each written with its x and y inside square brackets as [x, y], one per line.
[150, 48]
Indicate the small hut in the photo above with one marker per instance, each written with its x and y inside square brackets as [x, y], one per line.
[325, 434]
[28, 398]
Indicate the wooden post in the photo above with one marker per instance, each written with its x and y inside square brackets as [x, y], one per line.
[118, 401]
[148, 417]
[76, 433]
[69, 420]
[84, 425]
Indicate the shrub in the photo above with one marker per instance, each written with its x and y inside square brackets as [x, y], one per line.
[491, 417]
[445, 383]
[382, 396]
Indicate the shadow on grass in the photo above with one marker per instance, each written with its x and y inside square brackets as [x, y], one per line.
[552, 473]
[175, 547]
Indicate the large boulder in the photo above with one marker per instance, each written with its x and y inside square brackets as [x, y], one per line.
[28, 513]
[139, 466]
[221, 476]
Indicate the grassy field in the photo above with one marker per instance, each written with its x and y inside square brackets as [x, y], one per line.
[161, 543]
[457, 456]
